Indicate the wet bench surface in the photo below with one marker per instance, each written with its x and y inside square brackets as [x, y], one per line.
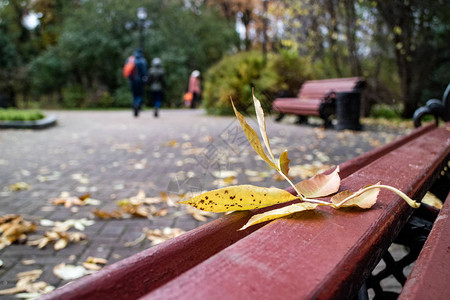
[320, 254]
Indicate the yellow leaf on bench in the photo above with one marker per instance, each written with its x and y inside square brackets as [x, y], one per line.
[279, 213]
[284, 163]
[252, 137]
[239, 197]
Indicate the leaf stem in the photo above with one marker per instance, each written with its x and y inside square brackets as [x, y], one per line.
[318, 201]
[300, 196]
[410, 201]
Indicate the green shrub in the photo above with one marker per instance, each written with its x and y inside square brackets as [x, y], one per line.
[123, 97]
[11, 114]
[73, 96]
[292, 71]
[386, 111]
[235, 76]
[99, 99]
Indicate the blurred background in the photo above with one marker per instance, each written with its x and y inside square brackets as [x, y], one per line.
[69, 54]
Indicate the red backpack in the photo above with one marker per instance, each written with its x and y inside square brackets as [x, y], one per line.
[128, 68]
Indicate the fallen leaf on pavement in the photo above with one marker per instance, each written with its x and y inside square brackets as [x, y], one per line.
[200, 215]
[80, 178]
[13, 228]
[26, 283]
[19, 186]
[28, 262]
[103, 214]
[171, 143]
[68, 201]
[79, 224]
[94, 263]
[70, 272]
[157, 236]
[61, 239]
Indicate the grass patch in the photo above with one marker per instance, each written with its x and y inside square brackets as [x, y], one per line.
[383, 111]
[12, 114]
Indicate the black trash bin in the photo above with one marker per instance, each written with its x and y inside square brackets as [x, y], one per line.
[348, 107]
[3, 101]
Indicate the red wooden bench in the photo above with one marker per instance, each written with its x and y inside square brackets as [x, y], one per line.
[323, 254]
[317, 98]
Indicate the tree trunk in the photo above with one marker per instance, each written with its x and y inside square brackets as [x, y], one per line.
[246, 18]
[350, 28]
[333, 30]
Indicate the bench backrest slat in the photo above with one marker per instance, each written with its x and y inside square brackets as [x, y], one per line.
[316, 89]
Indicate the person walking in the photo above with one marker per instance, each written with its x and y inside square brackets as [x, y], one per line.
[137, 79]
[194, 88]
[157, 83]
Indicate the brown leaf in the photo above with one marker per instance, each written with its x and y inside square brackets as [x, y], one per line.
[103, 214]
[26, 283]
[158, 236]
[284, 163]
[67, 201]
[13, 229]
[60, 244]
[93, 263]
[91, 266]
[366, 200]
[320, 185]
[200, 215]
[84, 197]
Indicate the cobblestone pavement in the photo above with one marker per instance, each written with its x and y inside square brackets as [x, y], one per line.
[112, 156]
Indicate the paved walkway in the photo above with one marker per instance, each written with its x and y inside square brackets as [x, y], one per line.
[112, 156]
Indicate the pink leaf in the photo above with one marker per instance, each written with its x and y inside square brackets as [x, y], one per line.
[320, 185]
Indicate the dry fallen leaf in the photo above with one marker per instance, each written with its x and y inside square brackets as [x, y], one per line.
[365, 200]
[308, 170]
[94, 263]
[70, 272]
[69, 201]
[80, 178]
[320, 185]
[284, 163]
[200, 215]
[14, 228]
[78, 224]
[157, 236]
[19, 186]
[28, 262]
[26, 283]
[102, 214]
[432, 200]
[279, 213]
[61, 239]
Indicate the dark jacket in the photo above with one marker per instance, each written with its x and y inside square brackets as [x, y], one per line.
[139, 75]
